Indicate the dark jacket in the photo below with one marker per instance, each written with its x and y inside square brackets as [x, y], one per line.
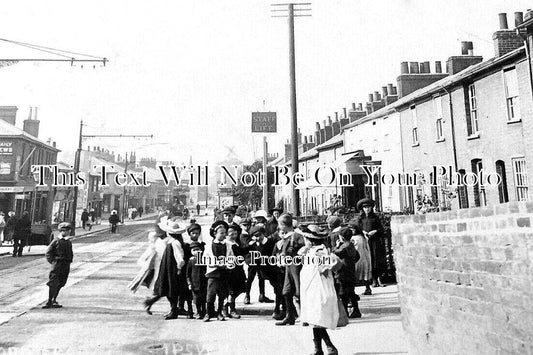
[22, 228]
[221, 271]
[196, 275]
[59, 250]
[349, 256]
[114, 219]
[85, 216]
[375, 242]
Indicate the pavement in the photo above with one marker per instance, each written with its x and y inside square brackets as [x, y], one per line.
[101, 316]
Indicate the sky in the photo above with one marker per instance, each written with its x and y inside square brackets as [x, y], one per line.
[190, 73]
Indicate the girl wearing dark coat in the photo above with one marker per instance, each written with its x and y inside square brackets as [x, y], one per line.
[172, 279]
[371, 226]
[237, 277]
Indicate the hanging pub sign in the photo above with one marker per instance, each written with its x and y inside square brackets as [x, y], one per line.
[264, 122]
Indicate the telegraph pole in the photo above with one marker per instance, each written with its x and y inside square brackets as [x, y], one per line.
[77, 166]
[76, 172]
[302, 11]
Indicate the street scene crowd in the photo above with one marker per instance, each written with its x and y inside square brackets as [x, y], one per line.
[318, 295]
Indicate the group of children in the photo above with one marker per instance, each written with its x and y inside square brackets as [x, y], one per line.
[183, 278]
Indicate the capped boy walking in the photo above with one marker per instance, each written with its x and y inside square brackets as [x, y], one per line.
[59, 254]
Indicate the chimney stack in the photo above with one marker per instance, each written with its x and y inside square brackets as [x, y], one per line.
[455, 64]
[8, 114]
[31, 126]
[506, 40]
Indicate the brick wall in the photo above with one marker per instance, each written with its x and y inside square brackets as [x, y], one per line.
[466, 279]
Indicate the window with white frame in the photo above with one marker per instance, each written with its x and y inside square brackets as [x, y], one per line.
[511, 94]
[473, 128]
[437, 106]
[520, 179]
[414, 122]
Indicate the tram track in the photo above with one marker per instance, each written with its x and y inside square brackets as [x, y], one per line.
[37, 265]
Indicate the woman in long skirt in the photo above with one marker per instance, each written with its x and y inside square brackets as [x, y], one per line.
[363, 267]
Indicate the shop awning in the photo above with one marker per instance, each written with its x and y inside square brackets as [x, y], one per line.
[343, 159]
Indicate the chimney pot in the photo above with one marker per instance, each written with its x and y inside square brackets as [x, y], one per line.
[346, 112]
[54, 144]
[427, 69]
[503, 21]
[413, 68]
[360, 107]
[370, 97]
[317, 125]
[377, 96]
[353, 106]
[438, 67]
[305, 139]
[336, 116]
[31, 113]
[518, 18]
[325, 123]
[464, 48]
[384, 92]
[329, 120]
[389, 89]
[404, 68]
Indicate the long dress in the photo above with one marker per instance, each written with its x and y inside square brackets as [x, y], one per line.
[318, 298]
[363, 268]
[237, 277]
[169, 283]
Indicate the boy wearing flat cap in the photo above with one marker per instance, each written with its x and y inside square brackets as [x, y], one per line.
[59, 254]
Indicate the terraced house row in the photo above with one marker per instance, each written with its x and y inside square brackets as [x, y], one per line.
[476, 119]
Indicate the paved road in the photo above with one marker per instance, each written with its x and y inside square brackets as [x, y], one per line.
[100, 315]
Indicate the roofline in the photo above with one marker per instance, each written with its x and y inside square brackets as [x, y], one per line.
[33, 140]
[454, 80]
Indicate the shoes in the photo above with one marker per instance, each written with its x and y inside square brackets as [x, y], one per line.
[367, 292]
[305, 324]
[278, 316]
[355, 314]
[147, 307]
[286, 321]
[207, 318]
[171, 315]
[264, 299]
[332, 350]
[200, 316]
[234, 315]
[247, 299]
[47, 305]
[56, 305]
[189, 315]
[221, 318]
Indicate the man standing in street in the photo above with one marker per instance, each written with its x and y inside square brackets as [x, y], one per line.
[59, 254]
[198, 209]
[84, 218]
[22, 233]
